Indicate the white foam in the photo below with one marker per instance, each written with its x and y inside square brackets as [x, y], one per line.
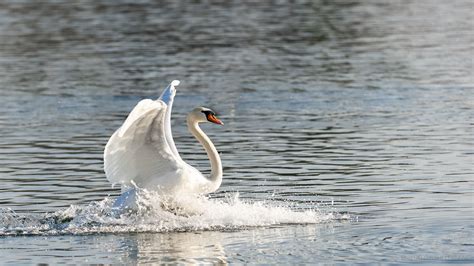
[184, 214]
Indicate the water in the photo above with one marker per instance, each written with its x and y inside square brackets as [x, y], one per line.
[348, 134]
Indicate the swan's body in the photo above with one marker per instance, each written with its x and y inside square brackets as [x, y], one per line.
[142, 154]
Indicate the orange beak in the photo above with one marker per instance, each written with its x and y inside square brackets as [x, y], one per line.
[212, 118]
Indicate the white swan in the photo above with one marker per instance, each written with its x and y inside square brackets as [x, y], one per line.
[141, 154]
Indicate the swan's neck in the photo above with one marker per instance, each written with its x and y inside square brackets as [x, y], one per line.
[216, 165]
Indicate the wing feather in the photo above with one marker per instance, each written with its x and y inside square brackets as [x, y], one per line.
[168, 97]
[138, 151]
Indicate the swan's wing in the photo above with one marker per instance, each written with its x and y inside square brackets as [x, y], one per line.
[167, 97]
[140, 149]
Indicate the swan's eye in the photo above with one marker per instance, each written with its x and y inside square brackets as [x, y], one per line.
[211, 117]
[207, 112]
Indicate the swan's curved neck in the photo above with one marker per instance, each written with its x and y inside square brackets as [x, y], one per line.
[216, 165]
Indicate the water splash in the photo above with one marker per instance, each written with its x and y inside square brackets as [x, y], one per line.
[156, 214]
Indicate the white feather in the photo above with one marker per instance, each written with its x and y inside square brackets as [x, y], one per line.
[138, 151]
[142, 153]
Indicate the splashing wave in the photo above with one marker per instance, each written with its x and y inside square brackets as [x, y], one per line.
[185, 214]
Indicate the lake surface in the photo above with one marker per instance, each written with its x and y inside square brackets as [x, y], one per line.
[348, 130]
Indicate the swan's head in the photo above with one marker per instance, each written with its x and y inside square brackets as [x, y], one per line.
[203, 114]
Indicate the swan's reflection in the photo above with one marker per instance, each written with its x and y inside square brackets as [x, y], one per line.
[192, 247]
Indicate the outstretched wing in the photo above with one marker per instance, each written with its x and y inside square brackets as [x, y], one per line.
[167, 97]
[142, 149]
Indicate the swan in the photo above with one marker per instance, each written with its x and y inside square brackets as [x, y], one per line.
[141, 154]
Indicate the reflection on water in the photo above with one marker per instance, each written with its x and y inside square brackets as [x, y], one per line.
[362, 106]
[188, 247]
